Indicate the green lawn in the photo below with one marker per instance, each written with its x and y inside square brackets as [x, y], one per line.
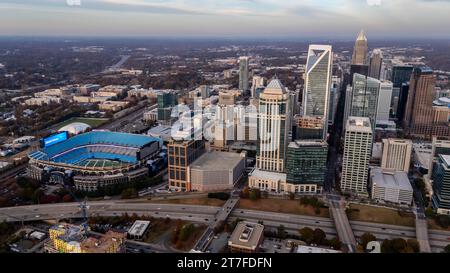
[93, 122]
[380, 215]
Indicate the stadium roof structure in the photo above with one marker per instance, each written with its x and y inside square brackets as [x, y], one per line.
[75, 128]
[61, 152]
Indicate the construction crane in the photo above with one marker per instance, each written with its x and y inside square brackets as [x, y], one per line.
[84, 210]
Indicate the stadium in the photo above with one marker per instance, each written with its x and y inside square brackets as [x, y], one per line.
[94, 159]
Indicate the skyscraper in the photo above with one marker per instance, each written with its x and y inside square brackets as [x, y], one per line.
[441, 186]
[418, 120]
[243, 73]
[257, 82]
[357, 153]
[360, 50]
[400, 106]
[384, 101]
[401, 74]
[364, 94]
[306, 163]
[273, 127]
[318, 82]
[166, 100]
[376, 61]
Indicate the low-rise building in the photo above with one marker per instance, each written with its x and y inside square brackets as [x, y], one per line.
[246, 237]
[113, 105]
[391, 186]
[42, 101]
[138, 229]
[68, 238]
[214, 171]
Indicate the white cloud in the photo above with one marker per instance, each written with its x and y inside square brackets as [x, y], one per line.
[374, 2]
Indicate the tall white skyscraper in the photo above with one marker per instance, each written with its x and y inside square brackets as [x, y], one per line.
[273, 129]
[357, 153]
[243, 73]
[384, 101]
[316, 93]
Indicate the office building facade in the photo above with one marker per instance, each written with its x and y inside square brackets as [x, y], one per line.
[243, 73]
[180, 156]
[357, 153]
[375, 64]
[396, 154]
[273, 127]
[441, 186]
[306, 162]
[318, 82]
[418, 119]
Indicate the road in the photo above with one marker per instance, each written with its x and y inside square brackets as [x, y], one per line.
[205, 214]
[13, 172]
[118, 123]
[333, 161]
[119, 64]
[220, 217]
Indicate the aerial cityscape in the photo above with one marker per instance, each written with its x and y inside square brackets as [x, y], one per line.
[190, 137]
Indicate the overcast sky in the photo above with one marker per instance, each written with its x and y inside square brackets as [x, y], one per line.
[232, 18]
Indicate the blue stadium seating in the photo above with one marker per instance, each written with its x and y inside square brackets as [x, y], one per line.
[78, 153]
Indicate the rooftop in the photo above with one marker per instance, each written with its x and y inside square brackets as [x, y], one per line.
[311, 249]
[275, 86]
[361, 36]
[216, 160]
[246, 235]
[445, 159]
[391, 179]
[138, 228]
[274, 176]
[307, 142]
[359, 124]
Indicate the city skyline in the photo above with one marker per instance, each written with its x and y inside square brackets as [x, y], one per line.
[342, 18]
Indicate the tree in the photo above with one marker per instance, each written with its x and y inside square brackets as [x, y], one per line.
[366, 238]
[414, 245]
[129, 193]
[37, 195]
[398, 245]
[319, 236]
[185, 232]
[429, 212]
[281, 232]
[335, 243]
[255, 194]
[386, 246]
[443, 221]
[291, 196]
[306, 234]
[245, 192]
[447, 249]
[67, 198]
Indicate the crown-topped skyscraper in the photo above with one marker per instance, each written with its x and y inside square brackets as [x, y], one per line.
[360, 50]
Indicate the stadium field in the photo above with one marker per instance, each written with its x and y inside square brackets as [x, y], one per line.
[99, 163]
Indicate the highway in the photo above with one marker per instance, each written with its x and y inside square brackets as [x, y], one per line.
[206, 215]
[118, 123]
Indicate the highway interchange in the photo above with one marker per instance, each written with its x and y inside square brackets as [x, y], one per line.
[207, 215]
